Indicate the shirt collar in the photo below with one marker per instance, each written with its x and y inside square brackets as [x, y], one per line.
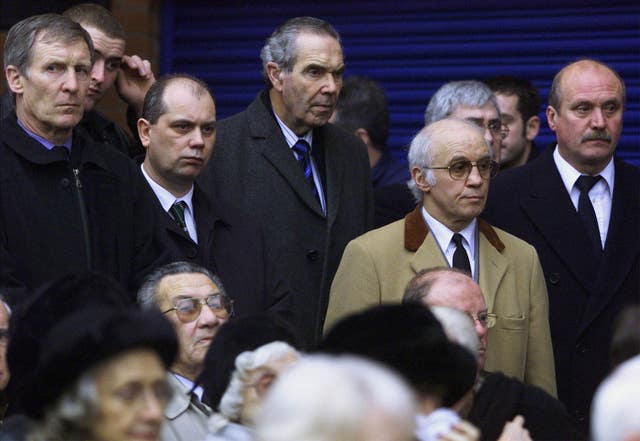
[45, 143]
[290, 136]
[190, 385]
[570, 175]
[164, 196]
[443, 235]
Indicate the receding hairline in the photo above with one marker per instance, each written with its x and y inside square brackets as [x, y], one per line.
[585, 64]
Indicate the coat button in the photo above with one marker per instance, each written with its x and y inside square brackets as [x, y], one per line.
[192, 253]
[312, 255]
[582, 348]
[554, 278]
[64, 182]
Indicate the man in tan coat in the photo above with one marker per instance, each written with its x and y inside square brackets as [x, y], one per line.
[451, 166]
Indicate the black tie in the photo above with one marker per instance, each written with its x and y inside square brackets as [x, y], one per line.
[177, 212]
[303, 150]
[586, 212]
[460, 257]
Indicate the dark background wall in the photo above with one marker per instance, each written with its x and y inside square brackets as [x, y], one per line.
[413, 47]
[410, 47]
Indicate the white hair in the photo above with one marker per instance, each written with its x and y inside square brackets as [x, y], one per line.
[325, 398]
[232, 401]
[458, 326]
[615, 412]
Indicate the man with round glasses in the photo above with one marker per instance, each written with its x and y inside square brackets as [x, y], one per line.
[195, 302]
[451, 166]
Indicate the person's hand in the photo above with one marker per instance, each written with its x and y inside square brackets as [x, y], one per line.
[135, 77]
[514, 430]
[462, 431]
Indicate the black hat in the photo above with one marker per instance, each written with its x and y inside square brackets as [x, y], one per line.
[409, 339]
[34, 317]
[234, 337]
[86, 338]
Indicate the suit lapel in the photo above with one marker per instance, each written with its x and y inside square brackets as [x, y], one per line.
[274, 148]
[492, 268]
[334, 166]
[623, 242]
[551, 210]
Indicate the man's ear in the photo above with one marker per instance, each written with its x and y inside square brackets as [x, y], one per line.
[419, 176]
[144, 132]
[14, 79]
[274, 73]
[552, 114]
[532, 127]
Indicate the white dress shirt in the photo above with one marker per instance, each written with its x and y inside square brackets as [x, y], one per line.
[444, 236]
[600, 194]
[291, 139]
[167, 200]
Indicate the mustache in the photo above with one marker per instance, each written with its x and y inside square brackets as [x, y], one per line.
[597, 135]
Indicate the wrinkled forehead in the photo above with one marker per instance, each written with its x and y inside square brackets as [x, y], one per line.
[184, 285]
[461, 137]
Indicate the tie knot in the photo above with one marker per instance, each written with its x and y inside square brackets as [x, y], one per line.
[179, 205]
[457, 239]
[302, 147]
[586, 182]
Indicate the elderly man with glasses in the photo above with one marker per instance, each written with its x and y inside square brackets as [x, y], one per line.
[451, 166]
[194, 301]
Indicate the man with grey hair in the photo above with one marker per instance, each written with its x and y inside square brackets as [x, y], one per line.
[66, 203]
[451, 167]
[304, 179]
[194, 301]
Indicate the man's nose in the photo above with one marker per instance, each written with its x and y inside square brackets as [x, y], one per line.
[71, 81]
[197, 138]
[598, 119]
[97, 71]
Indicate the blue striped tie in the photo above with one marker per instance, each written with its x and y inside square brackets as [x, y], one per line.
[303, 150]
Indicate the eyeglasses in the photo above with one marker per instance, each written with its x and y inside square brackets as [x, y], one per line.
[496, 127]
[188, 309]
[461, 169]
[486, 319]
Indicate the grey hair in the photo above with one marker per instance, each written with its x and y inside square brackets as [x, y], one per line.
[23, 35]
[448, 98]
[303, 404]
[70, 417]
[421, 152]
[615, 414]
[232, 402]
[280, 47]
[458, 326]
[147, 294]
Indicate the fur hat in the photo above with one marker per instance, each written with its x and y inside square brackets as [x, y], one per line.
[84, 339]
[34, 317]
[409, 339]
[237, 336]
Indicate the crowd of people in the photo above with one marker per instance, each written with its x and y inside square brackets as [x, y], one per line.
[279, 276]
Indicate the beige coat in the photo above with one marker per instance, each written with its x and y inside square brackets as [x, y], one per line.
[377, 266]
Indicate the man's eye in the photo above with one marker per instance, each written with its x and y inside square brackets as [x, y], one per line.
[54, 68]
[458, 167]
[185, 305]
[113, 65]
[208, 131]
[495, 125]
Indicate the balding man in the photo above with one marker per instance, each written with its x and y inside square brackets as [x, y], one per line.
[451, 167]
[579, 206]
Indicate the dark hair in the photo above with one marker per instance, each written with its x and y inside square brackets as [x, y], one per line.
[234, 337]
[528, 96]
[280, 47]
[363, 104]
[409, 339]
[96, 16]
[154, 106]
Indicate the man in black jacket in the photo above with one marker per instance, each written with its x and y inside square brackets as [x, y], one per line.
[178, 130]
[66, 203]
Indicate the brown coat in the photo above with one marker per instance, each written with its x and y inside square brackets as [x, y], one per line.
[377, 266]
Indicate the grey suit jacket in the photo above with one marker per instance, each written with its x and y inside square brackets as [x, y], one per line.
[253, 167]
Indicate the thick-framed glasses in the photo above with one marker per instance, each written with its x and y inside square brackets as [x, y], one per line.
[486, 319]
[188, 309]
[461, 169]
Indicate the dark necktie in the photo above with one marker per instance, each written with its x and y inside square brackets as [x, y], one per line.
[177, 212]
[303, 150]
[586, 212]
[460, 257]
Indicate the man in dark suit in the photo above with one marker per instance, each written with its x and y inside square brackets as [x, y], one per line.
[307, 180]
[178, 130]
[588, 239]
